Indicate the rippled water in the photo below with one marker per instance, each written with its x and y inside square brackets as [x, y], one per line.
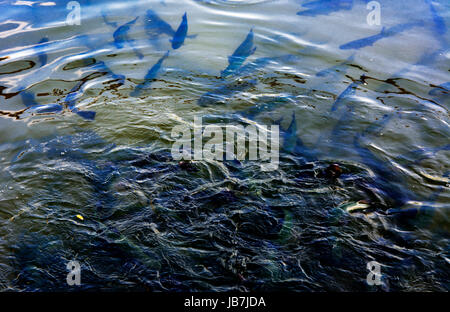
[107, 193]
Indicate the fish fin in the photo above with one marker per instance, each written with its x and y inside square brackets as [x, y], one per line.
[89, 115]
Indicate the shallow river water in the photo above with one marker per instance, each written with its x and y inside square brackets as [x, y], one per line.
[88, 103]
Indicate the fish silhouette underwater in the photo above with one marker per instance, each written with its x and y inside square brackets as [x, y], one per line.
[325, 7]
[121, 37]
[441, 90]
[72, 97]
[180, 34]
[155, 27]
[150, 76]
[34, 108]
[385, 33]
[334, 70]
[439, 27]
[242, 52]
[221, 93]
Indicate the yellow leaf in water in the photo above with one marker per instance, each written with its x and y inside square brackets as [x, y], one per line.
[80, 217]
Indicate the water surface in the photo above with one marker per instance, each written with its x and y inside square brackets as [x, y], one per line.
[149, 223]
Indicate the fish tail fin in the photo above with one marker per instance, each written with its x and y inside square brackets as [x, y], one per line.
[89, 115]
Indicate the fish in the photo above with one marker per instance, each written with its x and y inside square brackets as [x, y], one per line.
[42, 55]
[121, 37]
[156, 26]
[426, 59]
[258, 64]
[294, 145]
[239, 56]
[151, 74]
[439, 24]
[121, 34]
[223, 92]
[74, 94]
[265, 106]
[337, 68]
[346, 116]
[7, 26]
[412, 208]
[251, 67]
[76, 151]
[387, 179]
[71, 98]
[348, 92]
[418, 155]
[325, 7]
[102, 67]
[339, 130]
[181, 33]
[355, 206]
[441, 90]
[385, 33]
[286, 229]
[45, 109]
[436, 179]
[28, 98]
[88, 115]
[105, 19]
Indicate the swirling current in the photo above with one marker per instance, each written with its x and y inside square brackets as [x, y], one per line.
[90, 95]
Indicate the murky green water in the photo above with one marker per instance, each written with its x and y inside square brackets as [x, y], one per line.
[108, 194]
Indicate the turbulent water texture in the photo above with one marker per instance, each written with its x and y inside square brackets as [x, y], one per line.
[87, 111]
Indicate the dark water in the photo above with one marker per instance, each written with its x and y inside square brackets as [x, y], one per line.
[89, 177]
